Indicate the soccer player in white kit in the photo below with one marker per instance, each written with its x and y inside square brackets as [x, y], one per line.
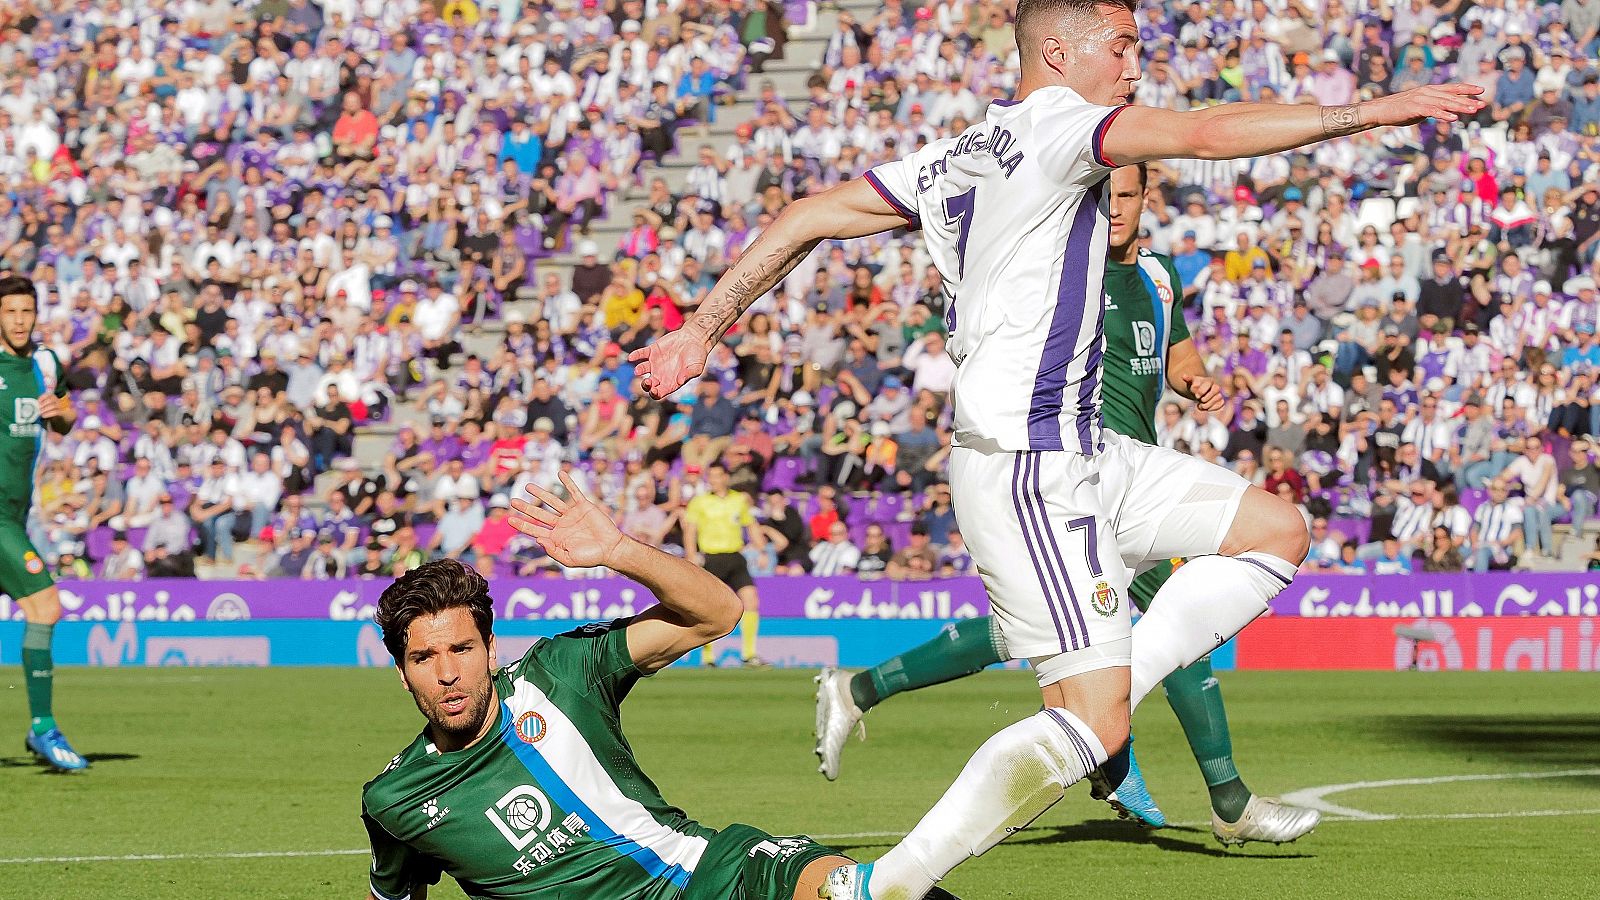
[1057, 513]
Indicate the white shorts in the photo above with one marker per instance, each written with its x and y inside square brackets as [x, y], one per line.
[1058, 536]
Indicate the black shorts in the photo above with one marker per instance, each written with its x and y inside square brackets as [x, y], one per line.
[730, 569]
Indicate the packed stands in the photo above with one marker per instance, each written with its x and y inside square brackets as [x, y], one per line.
[338, 279]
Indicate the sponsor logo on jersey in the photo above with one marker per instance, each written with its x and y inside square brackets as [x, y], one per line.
[1105, 297]
[1144, 338]
[25, 417]
[521, 815]
[2, 384]
[32, 563]
[434, 812]
[531, 727]
[1104, 599]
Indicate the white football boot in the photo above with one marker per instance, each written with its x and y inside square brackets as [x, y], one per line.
[1266, 819]
[837, 715]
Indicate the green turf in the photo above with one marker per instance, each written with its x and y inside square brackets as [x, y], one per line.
[221, 761]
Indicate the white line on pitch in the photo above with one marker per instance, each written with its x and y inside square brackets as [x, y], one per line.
[167, 857]
[297, 854]
[1313, 796]
[1368, 817]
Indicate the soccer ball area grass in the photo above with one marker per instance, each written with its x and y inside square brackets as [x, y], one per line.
[246, 783]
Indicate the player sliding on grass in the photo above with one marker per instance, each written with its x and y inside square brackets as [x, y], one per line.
[523, 785]
[32, 397]
[1058, 514]
[1147, 349]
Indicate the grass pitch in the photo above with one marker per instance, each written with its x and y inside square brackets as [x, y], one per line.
[216, 783]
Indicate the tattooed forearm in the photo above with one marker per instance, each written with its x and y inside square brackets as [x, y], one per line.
[1338, 121]
[757, 272]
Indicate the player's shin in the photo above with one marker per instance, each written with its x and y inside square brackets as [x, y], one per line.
[38, 671]
[1196, 699]
[962, 648]
[1012, 779]
[1207, 601]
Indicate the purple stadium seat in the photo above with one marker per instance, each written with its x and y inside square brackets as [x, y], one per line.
[1472, 498]
[425, 532]
[1353, 529]
[899, 533]
[98, 543]
[785, 474]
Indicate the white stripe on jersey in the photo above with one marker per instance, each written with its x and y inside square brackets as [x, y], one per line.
[1411, 520]
[1495, 521]
[1167, 301]
[574, 761]
[1010, 212]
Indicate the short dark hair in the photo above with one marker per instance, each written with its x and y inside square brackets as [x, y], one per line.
[428, 590]
[11, 285]
[1032, 14]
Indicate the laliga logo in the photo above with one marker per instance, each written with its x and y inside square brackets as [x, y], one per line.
[1440, 653]
[521, 815]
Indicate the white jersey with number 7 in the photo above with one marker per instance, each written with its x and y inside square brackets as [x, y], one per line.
[1011, 213]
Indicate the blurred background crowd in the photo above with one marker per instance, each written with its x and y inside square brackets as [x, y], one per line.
[337, 279]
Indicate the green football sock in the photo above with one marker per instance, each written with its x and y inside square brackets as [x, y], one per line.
[963, 648]
[1196, 698]
[39, 673]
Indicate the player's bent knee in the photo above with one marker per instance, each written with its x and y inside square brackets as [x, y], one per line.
[1092, 684]
[42, 608]
[1266, 523]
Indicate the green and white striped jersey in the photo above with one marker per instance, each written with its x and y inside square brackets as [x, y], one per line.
[551, 803]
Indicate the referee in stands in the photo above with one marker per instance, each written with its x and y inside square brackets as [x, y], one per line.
[714, 528]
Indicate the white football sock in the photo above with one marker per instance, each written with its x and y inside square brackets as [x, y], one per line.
[1012, 779]
[1208, 600]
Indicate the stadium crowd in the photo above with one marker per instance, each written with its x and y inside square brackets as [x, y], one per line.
[260, 229]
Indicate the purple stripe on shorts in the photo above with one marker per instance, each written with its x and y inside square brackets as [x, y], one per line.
[1074, 610]
[1040, 521]
[1027, 538]
[1050, 384]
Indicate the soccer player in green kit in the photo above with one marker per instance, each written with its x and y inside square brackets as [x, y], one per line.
[1147, 349]
[522, 784]
[33, 396]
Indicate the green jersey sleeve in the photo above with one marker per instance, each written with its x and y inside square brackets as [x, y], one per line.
[593, 659]
[1179, 331]
[397, 869]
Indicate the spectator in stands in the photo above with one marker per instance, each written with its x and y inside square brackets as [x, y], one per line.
[124, 563]
[1496, 530]
[835, 555]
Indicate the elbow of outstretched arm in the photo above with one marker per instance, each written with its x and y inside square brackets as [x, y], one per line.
[1206, 134]
[722, 616]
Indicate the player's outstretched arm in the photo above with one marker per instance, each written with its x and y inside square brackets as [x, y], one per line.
[1235, 130]
[851, 210]
[695, 607]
